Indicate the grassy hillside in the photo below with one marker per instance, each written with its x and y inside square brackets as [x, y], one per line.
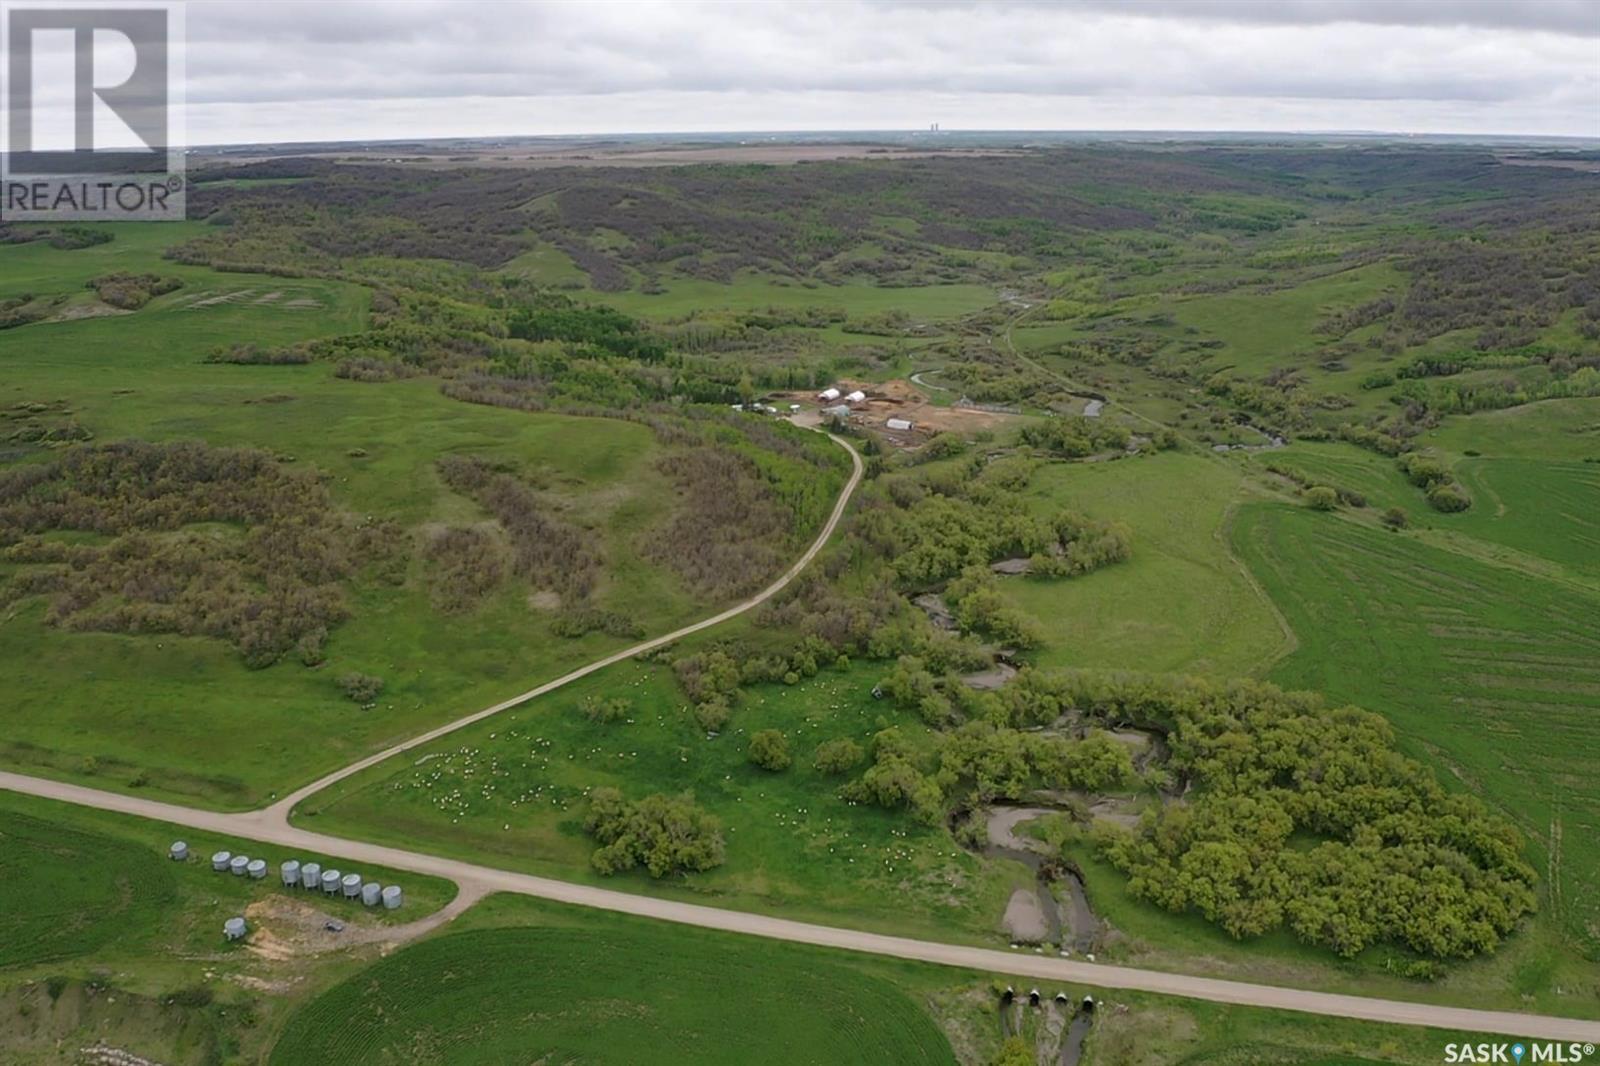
[119, 708]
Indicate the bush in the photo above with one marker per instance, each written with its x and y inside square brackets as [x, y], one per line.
[1423, 471]
[664, 834]
[1351, 498]
[279, 582]
[606, 711]
[361, 688]
[1321, 498]
[769, 749]
[837, 756]
[1448, 498]
[1396, 518]
[712, 714]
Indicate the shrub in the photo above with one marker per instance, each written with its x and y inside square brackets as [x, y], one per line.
[1423, 471]
[1396, 518]
[280, 581]
[361, 688]
[1351, 498]
[1448, 498]
[712, 714]
[837, 756]
[769, 749]
[664, 834]
[606, 711]
[1321, 498]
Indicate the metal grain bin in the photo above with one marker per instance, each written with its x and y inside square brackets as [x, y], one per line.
[219, 860]
[311, 875]
[257, 868]
[290, 872]
[370, 893]
[234, 928]
[179, 851]
[351, 885]
[237, 864]
[330, 881]
[392, 898]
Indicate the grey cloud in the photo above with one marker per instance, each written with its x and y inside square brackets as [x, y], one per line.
[1580, 17]
[1517, 57]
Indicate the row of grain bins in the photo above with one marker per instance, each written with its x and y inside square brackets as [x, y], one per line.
[295, 874]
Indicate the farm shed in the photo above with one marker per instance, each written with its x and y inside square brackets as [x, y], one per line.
[828, 395]
[856, 397]
[901, 424]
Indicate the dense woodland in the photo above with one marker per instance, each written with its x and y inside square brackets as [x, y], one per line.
[186, 538]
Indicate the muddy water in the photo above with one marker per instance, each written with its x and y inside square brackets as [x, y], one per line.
[1070, 922]
[1077, 1032]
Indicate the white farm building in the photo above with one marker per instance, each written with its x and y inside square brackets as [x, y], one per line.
[828, 395]
[856, 397]
[901, 424]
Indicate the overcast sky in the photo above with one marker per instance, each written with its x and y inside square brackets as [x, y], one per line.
[390, 69]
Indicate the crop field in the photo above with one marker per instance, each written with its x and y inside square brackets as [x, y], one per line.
[1180, 603]
[514, 996]
[69, 892]
[1491, 673]
[710, 997]
[511, 791]
[1548, 509]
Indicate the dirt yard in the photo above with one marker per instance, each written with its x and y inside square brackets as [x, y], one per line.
[893, 399]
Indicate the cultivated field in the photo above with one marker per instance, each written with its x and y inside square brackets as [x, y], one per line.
[514, 996]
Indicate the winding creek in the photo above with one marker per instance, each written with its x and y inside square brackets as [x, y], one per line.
[1040, 918]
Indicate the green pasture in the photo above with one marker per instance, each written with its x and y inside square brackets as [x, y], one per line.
[510, 792]
[1181, 603]
[1550, 429]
